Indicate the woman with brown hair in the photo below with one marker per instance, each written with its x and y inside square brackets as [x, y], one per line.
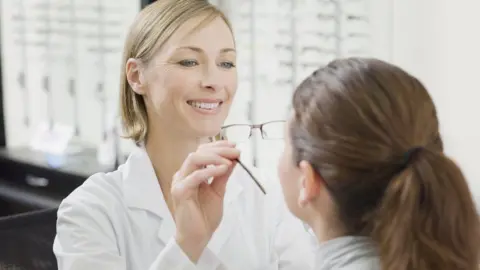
[364, 167]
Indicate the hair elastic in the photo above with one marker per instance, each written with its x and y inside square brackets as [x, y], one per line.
[410, 154]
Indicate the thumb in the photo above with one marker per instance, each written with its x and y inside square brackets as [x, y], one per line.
[219, 184]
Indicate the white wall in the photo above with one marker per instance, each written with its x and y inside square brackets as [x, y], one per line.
[439, 41]
[461, 115]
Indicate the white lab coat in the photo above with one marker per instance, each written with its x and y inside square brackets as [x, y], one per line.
[120, 221]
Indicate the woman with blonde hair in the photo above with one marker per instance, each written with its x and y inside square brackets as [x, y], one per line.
[179, 202]
[364, 167]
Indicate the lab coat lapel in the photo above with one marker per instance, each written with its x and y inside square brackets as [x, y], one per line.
[167, 229]
[231, 213]
[142, 191]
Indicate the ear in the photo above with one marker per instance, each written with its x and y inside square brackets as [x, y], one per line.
[135, 75]
[311, 184]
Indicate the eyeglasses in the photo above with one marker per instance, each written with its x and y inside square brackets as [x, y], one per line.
[272, 130]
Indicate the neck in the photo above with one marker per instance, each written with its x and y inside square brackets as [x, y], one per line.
[325, 229]
[167, 151]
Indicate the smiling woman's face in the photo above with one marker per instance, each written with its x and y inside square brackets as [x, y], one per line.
[192, 80]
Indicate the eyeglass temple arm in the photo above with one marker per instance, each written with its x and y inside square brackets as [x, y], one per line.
[219, 136]
[253, 177]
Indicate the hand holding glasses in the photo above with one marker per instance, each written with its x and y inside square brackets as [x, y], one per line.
[198, 202]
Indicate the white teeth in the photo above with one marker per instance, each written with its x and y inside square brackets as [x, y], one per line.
[203, 105]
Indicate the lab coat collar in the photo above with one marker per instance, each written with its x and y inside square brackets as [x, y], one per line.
[142, 191]
[140, 185]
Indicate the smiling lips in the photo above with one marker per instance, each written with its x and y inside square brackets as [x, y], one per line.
[206, 106]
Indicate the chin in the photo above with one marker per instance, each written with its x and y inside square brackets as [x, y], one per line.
[206, 129]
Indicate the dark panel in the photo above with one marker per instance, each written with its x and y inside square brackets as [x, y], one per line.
[28, 181]
[2, 118]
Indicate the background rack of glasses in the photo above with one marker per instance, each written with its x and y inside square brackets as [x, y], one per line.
[56, 56]
[279, 43]
[50, 47]
[61, 64]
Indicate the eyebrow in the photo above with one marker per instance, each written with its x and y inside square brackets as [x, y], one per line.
[199, 50]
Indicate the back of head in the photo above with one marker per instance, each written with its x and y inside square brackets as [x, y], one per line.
[371, 131]
[151, 29]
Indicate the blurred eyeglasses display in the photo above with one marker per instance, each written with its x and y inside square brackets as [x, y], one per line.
[279, 43]
[63, 55]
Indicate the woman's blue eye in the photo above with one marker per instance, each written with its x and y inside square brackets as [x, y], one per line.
[227, 65]
[188, 63]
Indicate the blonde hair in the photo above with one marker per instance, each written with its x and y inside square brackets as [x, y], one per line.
[152, 27]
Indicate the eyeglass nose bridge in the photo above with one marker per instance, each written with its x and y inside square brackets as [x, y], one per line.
[256, 126]
[262, 125]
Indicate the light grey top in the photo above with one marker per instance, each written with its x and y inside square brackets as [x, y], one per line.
[347, 253]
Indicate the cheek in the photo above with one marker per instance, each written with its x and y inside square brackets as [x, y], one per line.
[231, 84]
[288, 175]
[170, 86]
[281, 169]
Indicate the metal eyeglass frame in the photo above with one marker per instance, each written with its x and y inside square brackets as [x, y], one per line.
[252, 127]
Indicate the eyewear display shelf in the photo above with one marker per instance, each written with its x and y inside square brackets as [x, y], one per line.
[27, 180]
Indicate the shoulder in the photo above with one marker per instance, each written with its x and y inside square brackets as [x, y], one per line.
[89, 218]
[100, 188]
[98, 198]
[364, 263]
[348, 253]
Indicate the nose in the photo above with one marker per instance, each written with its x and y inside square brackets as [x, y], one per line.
[212, 78]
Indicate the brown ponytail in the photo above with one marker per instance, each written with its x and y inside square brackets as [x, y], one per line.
[354, 120]
[427, 218]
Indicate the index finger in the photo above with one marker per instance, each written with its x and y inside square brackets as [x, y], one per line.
[199, 160]
[222, 143]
